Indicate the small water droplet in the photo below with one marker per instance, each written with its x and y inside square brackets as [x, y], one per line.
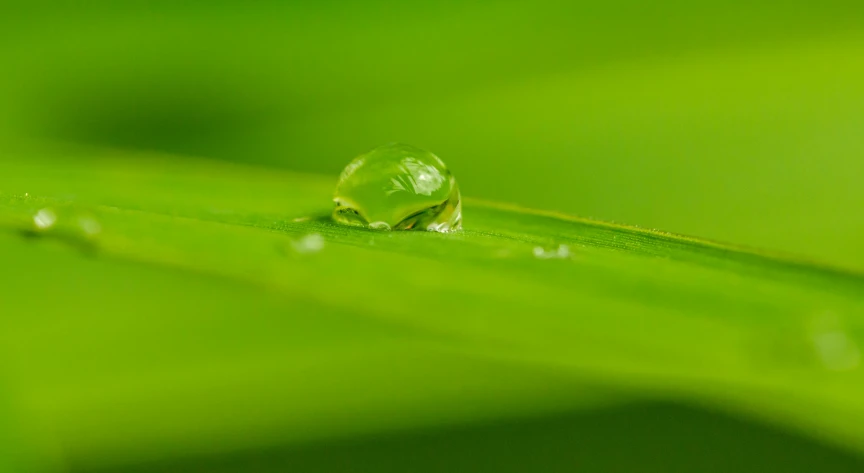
[834, 346]
[89, 226]
[301, 219]
[65, 223]
[44, 219]
[311, 243]
[26, 194]
[398, 187]
[562, 252]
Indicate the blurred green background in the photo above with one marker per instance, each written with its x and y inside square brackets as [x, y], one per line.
[738, 121]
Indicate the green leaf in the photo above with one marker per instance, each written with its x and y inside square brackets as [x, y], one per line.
[194, 322]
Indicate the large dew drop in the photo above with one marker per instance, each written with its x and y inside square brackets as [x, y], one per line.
[398, 187]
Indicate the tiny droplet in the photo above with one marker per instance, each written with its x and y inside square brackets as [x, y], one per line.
[89, 226]
[311, 243]
[562, 252]
[834, 346]
[44, 219]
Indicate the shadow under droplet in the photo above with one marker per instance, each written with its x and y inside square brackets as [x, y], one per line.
[86, 246]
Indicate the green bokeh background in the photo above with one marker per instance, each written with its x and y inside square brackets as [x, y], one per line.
[737, 121]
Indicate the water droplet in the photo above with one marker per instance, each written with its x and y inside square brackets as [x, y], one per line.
[65, 223]
[89, 226]
[834, 345]
[398, 187]
[562, 252]
[44, 219]
[311, 243]
[301, 219]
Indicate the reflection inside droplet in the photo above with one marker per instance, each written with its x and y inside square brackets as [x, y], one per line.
[379, 226]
